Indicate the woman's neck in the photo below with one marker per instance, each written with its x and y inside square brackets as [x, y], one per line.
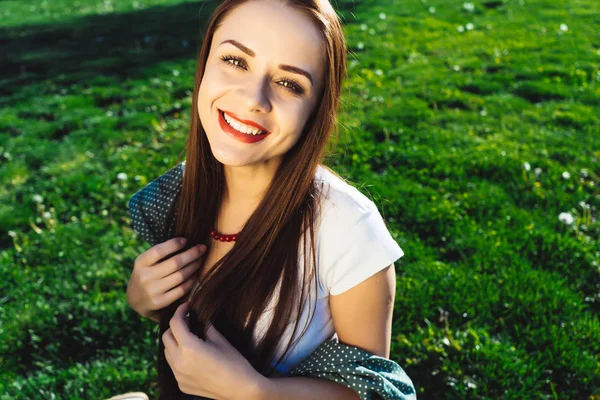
[245, 187]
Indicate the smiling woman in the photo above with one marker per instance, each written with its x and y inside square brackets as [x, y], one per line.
[280, 255]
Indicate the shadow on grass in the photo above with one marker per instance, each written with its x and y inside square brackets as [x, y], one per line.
[119, 44]
[116, 44]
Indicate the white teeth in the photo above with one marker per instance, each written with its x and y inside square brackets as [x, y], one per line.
[241, 127]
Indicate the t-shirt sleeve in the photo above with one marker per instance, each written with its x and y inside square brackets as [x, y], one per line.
[364, 246]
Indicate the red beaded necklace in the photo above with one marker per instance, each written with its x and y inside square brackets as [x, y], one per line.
[222, 237]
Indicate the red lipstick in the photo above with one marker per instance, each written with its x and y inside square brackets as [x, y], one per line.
[242, 137]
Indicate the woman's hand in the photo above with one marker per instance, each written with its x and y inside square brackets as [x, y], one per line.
[155, 285]
[211, 368]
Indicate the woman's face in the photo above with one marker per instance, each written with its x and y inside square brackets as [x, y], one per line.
[264, 71]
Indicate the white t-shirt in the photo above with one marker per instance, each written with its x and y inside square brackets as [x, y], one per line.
[352, 244]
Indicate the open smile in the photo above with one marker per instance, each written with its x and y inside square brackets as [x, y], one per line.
[253, 132]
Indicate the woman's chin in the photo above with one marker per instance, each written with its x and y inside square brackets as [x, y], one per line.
[234, 156]
[232, 160]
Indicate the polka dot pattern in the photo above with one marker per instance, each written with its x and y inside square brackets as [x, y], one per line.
[150, 207]
[370, 376]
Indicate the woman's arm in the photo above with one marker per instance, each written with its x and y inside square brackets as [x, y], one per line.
[362, 317]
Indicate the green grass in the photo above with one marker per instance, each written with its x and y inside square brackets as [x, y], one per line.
[496, 298]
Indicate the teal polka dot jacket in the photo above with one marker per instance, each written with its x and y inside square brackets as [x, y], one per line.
[152, 210]
[370, 376]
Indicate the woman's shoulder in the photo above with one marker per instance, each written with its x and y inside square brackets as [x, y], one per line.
[341, 200]
[353, 241]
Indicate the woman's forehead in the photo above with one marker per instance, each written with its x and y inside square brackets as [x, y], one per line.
[273, 30]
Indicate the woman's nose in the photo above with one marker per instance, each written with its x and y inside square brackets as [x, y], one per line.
[255, 94]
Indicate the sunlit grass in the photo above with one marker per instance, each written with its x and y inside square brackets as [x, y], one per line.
[473, 125]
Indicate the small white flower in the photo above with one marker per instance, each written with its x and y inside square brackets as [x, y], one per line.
[469, 26]
[446, 341]
[566, 218]
[360, 45]
[37, 198]
[382, 16]
[469, 6]
[12, 233]
[537, 171]
[584, 172]
[471, 385]
[378, 72]
[175, 72]
[584, 205]
[527, 166]
[122, 176]
[363, 27]
[566, 175]
[47, 215]
[483, 113]
[432, 10]
[456, 68]
[460, 28]
[564, 27]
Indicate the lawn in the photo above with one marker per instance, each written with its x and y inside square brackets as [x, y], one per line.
[475, 127]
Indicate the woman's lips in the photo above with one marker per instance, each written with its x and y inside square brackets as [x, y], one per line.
[245, 122]
[242, 137]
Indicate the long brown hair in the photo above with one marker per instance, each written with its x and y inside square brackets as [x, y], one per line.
[240, 285]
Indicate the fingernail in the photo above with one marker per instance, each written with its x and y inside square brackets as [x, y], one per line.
[202, 247]
[183, 240]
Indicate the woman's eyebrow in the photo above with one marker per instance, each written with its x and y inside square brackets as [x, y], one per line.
[284, 67]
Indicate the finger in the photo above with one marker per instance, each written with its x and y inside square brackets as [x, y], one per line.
[160, 251]
[179, 261]
[169, 358]
[169, 340]
[178, 292]
[213, 335]
[178, 325]
[178, 277]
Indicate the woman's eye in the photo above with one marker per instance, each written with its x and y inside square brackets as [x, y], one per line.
[286, 83]
[292, 86]
[234, 61]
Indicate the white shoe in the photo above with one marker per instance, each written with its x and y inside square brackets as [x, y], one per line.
[131, 396]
